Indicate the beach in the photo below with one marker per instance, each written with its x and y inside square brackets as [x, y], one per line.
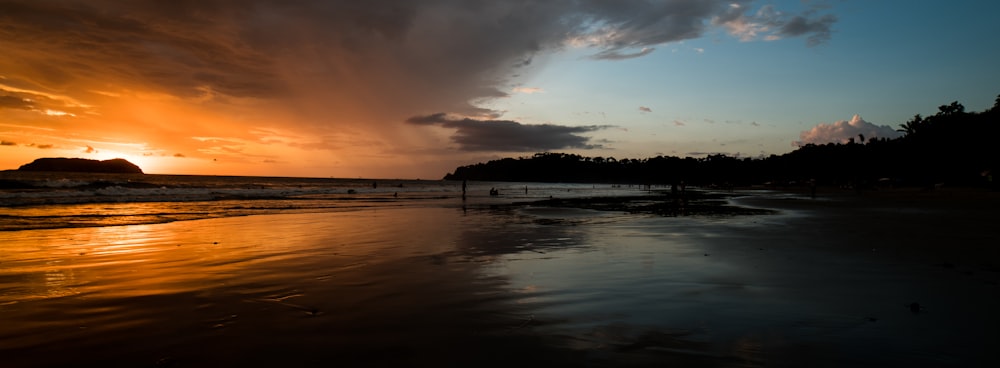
[889, 278]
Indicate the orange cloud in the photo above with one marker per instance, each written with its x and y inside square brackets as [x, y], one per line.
[318, 88]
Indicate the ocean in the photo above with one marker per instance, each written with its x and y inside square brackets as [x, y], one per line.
[31, 200]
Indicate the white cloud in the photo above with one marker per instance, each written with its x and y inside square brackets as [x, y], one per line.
[843, 131]
[51, 112]
[528, 90]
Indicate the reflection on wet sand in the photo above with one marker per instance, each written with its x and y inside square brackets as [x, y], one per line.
[288, 289]
[492, 286]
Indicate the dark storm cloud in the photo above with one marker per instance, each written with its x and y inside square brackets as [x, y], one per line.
[618, 55]
[772, 24]
[510, 136]
[22, 100]
[176, 46]
[343, 63]
[630, 28]
[14, 102]
[234, 46]
[817, 31]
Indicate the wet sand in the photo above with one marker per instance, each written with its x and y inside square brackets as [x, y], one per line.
[872, 255]
[820, 282]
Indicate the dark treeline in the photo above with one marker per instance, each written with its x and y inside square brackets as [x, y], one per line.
[954, 147]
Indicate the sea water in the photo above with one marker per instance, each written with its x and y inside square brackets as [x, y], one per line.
[31, 200]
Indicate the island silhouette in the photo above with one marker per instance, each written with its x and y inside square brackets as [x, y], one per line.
[61, 164]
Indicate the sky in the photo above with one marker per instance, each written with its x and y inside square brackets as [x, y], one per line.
[414, 89]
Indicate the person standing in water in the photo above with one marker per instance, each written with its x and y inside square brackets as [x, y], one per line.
[465, 184]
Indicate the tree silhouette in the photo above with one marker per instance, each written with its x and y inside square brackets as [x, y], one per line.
[952, 146]
[952, 109]
[912, 125]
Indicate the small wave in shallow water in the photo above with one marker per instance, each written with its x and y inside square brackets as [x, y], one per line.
[56, 200]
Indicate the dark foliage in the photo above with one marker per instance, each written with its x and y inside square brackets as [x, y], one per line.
[952, 146]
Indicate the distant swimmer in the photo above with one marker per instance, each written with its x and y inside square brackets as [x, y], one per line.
[494, 192]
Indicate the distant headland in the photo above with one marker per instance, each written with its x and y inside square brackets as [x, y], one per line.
[953, 147]
[60, 164]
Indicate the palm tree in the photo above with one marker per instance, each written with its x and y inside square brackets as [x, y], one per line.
[912, 125]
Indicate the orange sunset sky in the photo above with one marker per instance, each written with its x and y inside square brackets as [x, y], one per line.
[413, 89]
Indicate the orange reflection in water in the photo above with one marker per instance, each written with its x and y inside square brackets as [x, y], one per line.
[238, 290]
[135, 260]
